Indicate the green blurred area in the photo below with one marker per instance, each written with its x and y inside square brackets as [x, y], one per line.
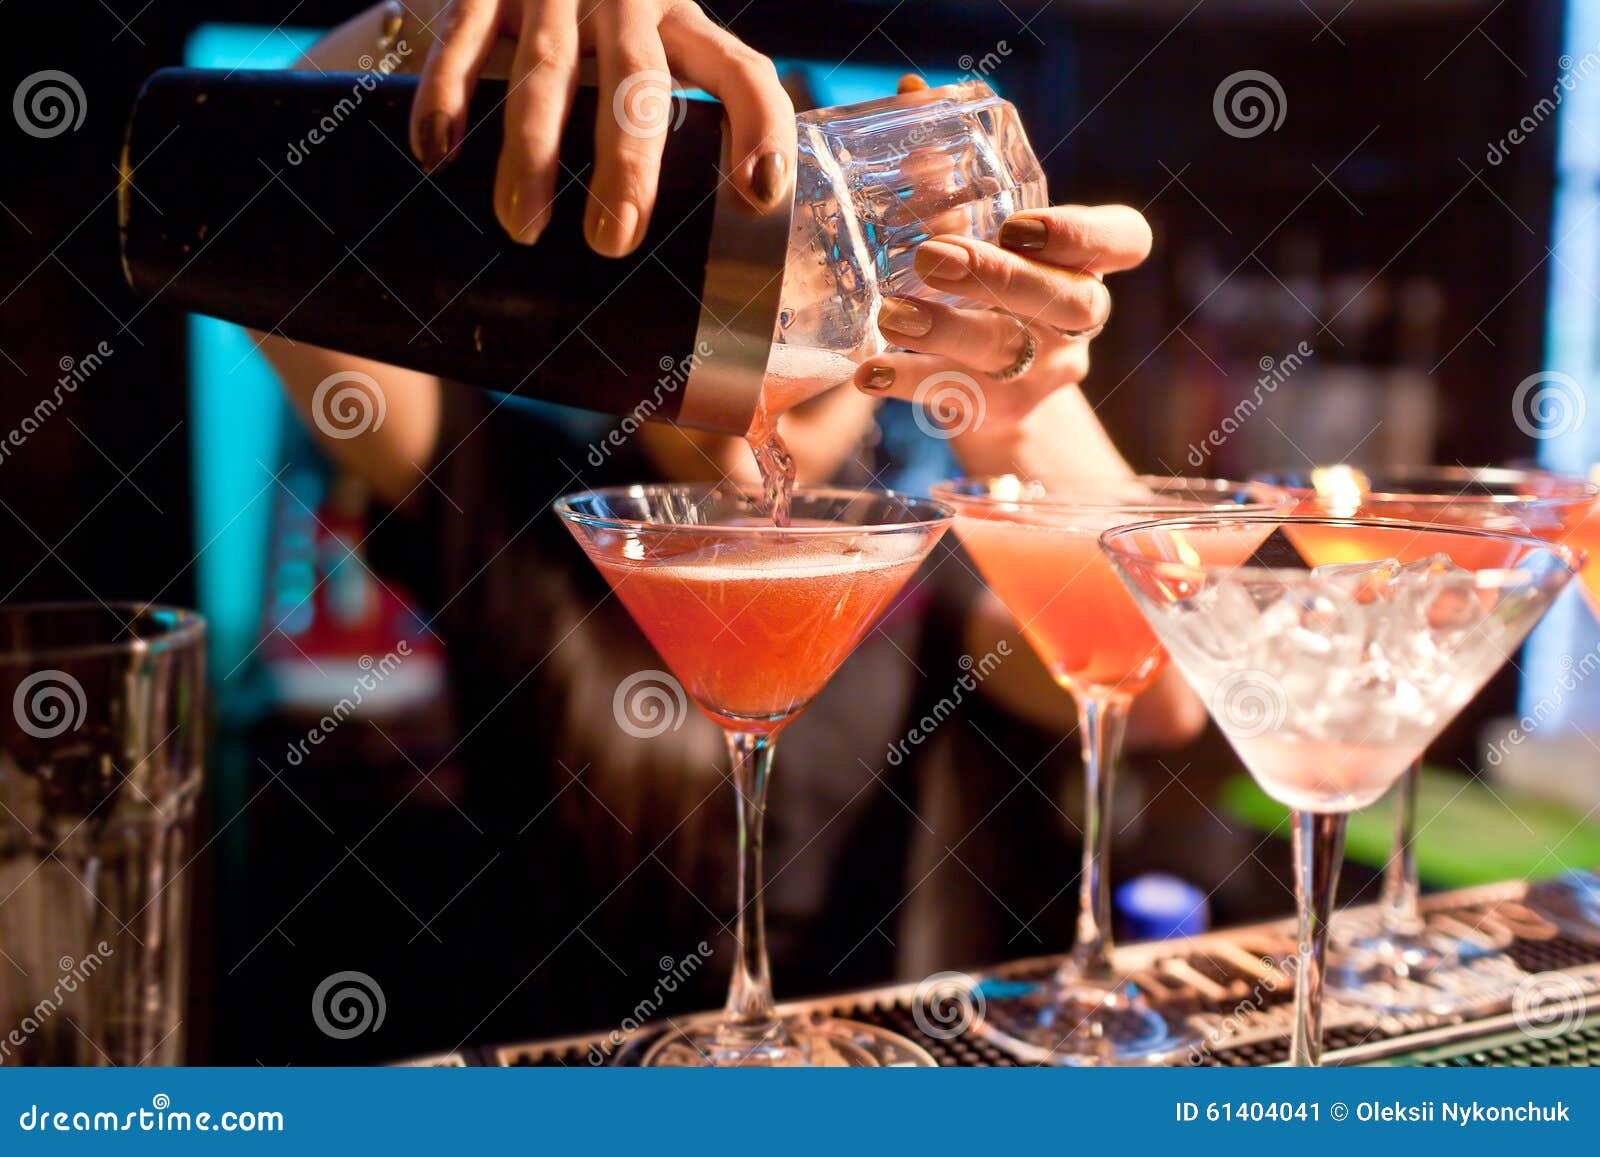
[1467, 832]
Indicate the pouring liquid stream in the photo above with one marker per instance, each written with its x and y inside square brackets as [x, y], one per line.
[794, 374]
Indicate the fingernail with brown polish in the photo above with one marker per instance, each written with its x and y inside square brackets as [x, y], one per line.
[878, 379]
[943, 260]
[766, 179]
[435, 140]
[1023, 235]
[523, 221]
[902, 315]
[611, 231]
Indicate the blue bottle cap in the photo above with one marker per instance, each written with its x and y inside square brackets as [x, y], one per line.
[1161, 907]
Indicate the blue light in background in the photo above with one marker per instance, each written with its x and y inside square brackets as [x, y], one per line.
[235, 46]
[850, 83]
[1572, 330]
[236, 413]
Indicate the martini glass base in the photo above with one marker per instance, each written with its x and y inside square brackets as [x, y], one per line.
[807, 1043]
[1570, 902]
[1084, 1025]
[1395, 974]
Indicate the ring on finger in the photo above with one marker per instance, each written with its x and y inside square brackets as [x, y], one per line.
[1024, 360]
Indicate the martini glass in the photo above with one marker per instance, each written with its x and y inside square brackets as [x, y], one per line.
[753, 620]
[1036, 548]
[1402, 966]
[1330, 680]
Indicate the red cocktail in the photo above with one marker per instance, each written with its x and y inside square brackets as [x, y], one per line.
[755, 627]
[753, 619]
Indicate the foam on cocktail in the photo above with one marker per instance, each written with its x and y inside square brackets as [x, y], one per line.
[754, 625]
[760, 561]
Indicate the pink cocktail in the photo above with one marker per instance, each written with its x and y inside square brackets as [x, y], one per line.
[1036, 547]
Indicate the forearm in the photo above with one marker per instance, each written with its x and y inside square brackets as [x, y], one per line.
[377, 421]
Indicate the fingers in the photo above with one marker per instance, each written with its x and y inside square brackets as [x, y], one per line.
[1092, 238]
[1033, 290]
[636, 112]
[981, 339]
[760, 114]
[543, 77]
[913, 376]
[439, 111]
[902, 375]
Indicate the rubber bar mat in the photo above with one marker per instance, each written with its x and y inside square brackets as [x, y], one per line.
[969, 1049]
[1233, 990]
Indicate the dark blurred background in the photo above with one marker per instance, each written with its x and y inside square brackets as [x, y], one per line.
[1384, 223]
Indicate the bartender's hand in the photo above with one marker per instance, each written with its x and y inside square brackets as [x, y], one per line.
[638, 45]
[1040, 286]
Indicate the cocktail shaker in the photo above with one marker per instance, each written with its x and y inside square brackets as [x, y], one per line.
[290, 202]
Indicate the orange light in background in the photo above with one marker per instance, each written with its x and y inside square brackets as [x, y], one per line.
[1340, 489]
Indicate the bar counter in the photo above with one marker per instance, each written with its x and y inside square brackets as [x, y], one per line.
[1233, 989]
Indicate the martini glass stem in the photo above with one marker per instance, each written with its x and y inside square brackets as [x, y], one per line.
[1101, 723]
[1398, 904]
[1318, 853]
[750, 1018]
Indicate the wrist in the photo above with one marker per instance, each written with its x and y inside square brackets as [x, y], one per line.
[1060, 436]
